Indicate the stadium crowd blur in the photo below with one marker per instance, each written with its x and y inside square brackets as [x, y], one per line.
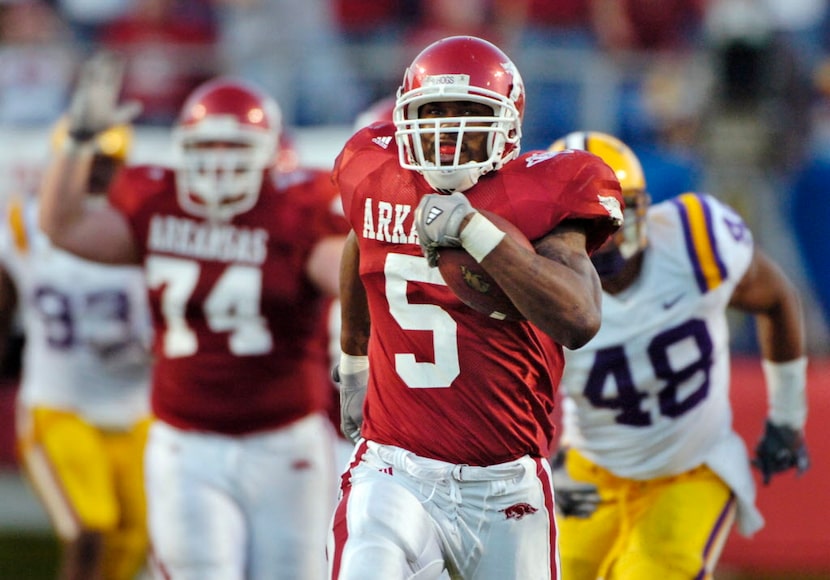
[726, 96]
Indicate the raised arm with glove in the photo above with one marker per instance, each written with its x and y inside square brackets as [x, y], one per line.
[94, 106]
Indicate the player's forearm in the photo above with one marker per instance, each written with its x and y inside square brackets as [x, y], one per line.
[354, 308]
[561, 297]
[767, 293]
[62, 192]
[354, 329]
[781, 333]
[323, 264]
[95, 232]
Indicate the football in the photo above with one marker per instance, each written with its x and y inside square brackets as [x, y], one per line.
[472, 284]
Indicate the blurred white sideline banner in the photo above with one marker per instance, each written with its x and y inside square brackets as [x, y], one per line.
[24, 151]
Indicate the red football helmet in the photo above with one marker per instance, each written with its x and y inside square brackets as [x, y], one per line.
[227, 134]
[459, 68]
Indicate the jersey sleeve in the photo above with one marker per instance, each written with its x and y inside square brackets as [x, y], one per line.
[18, 233]
[139, 190]
[719, 244]
[364, 152]
[14, 235]
[133, 188]
[122, 190]
[571, 185]
[328, 219]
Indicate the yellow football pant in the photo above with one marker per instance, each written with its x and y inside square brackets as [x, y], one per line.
[671, 528]
[89, 479]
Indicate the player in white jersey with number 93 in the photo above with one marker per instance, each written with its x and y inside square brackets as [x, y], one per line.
[83, 411]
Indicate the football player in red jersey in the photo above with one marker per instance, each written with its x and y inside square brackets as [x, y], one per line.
[241, 262]
[450, 470]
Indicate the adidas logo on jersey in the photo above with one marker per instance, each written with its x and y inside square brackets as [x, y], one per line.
[382, 141]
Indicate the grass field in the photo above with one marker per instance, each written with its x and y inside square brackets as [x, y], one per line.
[32, 556]
[28, 557]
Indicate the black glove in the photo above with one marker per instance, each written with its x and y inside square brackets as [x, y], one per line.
[781, 448]
[572, 498]
[352, 392]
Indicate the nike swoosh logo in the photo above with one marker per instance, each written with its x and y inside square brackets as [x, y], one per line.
[669, 303]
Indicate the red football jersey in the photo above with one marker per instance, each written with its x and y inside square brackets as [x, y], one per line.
[240, 332]
[445, 381]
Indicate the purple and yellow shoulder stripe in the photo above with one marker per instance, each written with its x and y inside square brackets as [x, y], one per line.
[701, 246]
[17, 224]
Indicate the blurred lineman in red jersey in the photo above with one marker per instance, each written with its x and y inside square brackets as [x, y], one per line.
[241, 262]
[450, 471]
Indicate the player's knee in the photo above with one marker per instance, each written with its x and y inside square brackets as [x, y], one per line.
[385, 552]
[376, 558]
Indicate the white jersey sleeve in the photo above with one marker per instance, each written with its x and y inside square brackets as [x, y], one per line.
[87, 326]
[648, 396]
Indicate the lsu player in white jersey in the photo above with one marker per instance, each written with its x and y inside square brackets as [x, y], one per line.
[83, 400]
[650, 475]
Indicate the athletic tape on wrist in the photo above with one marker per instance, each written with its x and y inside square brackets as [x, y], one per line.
[480, 237]
[72, 146]
[787, 391]
[82, 135]
[350, 364]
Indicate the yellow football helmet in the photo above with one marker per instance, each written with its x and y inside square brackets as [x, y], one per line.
[631, 239]
[115, 143]
[614, 152]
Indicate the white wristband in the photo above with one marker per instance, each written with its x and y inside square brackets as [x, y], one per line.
[350, 364]
[480, 236]
[787, 391]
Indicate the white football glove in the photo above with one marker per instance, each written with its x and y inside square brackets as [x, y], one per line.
[94, 105]
[572, 498]
[438, 220]
[352, 393]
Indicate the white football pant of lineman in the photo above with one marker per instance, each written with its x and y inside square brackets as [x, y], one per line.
[407, 515]
[254, 507]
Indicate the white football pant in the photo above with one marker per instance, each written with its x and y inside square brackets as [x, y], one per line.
[407, 517]
[253, 507]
